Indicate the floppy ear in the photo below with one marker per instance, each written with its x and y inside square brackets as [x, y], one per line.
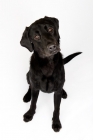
[25, 42]
[54, 20]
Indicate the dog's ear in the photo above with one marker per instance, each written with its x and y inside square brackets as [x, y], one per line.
[54, 20]
[25, 42]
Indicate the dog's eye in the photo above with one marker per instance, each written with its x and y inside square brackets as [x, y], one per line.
[50, 29]
[37, 37]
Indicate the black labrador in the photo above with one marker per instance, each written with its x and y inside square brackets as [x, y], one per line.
[46, 71]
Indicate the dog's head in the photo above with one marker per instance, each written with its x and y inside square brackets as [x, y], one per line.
[42, 36]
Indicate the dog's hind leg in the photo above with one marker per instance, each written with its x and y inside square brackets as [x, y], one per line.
[64, 94]
[27, 96]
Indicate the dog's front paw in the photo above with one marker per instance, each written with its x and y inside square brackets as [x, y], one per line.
[56, 126]
[28, 116]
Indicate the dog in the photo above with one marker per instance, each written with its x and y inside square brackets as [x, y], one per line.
[46, 72]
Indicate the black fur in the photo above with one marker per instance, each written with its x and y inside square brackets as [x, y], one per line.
[46, 71]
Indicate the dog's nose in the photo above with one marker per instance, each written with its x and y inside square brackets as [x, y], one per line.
[51, 48]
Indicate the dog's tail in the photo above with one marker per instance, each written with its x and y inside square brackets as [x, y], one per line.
[68, 58]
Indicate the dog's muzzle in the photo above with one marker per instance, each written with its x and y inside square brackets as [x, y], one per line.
[53, 49]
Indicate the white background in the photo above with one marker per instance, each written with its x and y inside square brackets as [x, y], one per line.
[76, 31]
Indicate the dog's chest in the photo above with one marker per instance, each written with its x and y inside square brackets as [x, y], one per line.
[52, 78]
[47, 75]
[48, 69]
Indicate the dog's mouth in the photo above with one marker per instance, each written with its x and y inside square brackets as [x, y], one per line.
[55, 52]
[46, 53]
[52, 52]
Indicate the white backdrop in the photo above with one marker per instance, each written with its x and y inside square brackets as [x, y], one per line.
[76, 31]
